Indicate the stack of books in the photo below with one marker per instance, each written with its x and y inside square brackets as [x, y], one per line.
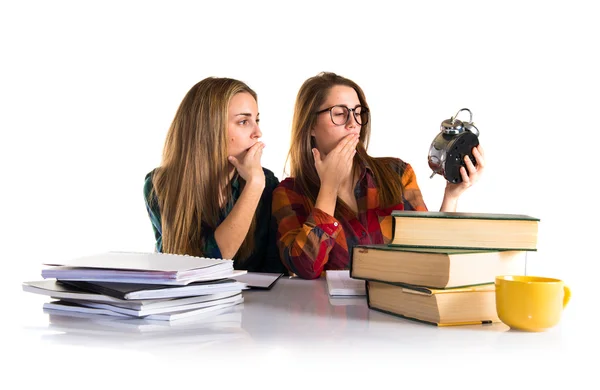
[153, 286]
[440, 267]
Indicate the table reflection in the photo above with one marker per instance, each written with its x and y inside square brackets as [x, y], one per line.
[295, 315]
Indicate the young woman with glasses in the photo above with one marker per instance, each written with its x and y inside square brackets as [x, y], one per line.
[337, 195]
[211, 197]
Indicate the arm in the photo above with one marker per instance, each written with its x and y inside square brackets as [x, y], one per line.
[332, 170]
[230, 234]
[305, 237]
[449, 203]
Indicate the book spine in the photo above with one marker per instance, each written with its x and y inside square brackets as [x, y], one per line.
[463, 247]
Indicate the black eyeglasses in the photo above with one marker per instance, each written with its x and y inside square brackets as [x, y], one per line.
[340, 115]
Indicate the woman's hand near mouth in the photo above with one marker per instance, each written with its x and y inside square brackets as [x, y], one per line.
[250, 168]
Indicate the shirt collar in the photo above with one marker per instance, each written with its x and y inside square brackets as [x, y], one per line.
[363, 168]
[235, 182]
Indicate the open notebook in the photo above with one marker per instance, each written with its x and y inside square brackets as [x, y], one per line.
[340, 283]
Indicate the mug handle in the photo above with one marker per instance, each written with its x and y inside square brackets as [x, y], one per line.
[567, 296]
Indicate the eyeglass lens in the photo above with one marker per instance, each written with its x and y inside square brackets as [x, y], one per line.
[340, 115]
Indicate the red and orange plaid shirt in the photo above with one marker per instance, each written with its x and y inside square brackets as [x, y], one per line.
[311, 241]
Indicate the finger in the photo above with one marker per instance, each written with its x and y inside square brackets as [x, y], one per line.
[259, 152]
[480, 150]
[234, 161]
[352, 150]
[351, 157]
[478, 158]
[466, 181]
[344, 142]
[316, 155]
[351, 142]
[254, 150]
[469, 164]
[251, 151]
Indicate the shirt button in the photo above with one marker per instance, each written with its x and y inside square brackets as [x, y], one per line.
[364, 234]
[335, 224]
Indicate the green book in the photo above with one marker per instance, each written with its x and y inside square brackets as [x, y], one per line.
[492, 231]
[465, 306]
[437, 268]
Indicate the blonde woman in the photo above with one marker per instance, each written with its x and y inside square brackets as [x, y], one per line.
[211, 197]
[338, 196]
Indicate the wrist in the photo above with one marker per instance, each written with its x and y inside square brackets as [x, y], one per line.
[329, 188]
[449, 203]
[256, 183]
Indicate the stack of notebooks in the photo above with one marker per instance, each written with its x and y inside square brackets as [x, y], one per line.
[440, 267]
[153, 286]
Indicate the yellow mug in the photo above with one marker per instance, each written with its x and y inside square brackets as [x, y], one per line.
[530, 303]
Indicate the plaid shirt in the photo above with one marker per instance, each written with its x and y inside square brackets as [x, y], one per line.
[264, 258]
[311, 241]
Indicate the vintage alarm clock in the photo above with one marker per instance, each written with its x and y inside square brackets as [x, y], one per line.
[456, 139]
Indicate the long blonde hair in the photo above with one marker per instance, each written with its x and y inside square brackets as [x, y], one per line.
[310, 97]
[193, 178]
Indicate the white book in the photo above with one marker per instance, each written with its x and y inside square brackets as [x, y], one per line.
[208, 300]
[138, 277]
[57, 290]
[259, 280]
[72, 307]
[66, 292]
[134, 291]
[191, 313]
[154, 304]
[229, 317]
[339, 282]
[139, 267]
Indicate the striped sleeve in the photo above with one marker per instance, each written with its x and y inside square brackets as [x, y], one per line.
[304, 237]
[413, 199]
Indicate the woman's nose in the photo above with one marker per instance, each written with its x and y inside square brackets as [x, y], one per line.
[257, 133]
[352, 122]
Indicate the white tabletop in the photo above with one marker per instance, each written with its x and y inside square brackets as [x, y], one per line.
[296, 330]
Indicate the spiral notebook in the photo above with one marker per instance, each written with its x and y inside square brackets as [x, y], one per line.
[140, 267]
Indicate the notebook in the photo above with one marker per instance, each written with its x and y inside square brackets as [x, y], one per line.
[172, 316]
[259, 280]
[72, 321]
[208, 301]
[140, 267]
[339, 282]
[157, 291]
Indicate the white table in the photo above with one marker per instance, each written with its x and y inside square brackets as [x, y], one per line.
[298, 332]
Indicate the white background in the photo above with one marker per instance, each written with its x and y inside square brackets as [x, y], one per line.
[88, 91]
